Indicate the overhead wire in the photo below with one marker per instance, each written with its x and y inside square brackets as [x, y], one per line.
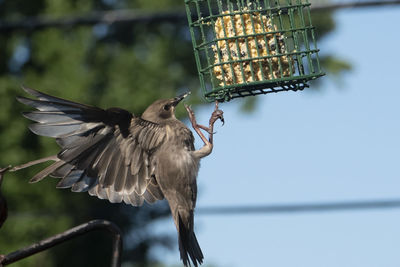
[300, 207]
[140, 16]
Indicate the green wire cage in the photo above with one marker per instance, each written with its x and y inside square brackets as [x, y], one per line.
[246, 47]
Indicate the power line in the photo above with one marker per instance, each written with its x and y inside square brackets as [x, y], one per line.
[92, 18]
[330, 7]
[140, 16]
[301, 208]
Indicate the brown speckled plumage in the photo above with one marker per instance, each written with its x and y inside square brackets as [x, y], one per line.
[115, 155]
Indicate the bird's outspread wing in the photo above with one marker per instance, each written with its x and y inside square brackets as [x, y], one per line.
[105, 152]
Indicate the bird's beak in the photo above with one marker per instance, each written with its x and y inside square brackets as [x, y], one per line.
[180, 98]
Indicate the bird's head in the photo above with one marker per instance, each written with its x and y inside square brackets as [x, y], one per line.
[163, 109]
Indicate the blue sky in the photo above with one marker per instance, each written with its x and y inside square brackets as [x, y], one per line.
[341, 143]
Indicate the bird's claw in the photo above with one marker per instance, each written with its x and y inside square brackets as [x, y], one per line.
[217, 114]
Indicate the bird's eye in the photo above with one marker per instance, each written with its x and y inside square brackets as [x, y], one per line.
[167, 107]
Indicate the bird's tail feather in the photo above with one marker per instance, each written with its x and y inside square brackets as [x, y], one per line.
[188, 245]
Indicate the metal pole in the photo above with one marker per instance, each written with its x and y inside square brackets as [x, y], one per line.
[67, 235]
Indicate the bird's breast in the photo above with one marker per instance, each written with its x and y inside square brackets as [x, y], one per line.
[179, 136]
[176, 163]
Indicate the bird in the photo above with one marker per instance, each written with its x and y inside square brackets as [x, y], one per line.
[115, 155]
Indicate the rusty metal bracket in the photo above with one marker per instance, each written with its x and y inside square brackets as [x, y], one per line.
[67, 235]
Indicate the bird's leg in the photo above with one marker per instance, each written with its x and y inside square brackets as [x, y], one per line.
[208, 143]
[217, 114]
[196, 126]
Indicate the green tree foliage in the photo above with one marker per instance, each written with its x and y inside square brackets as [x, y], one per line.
[332, 65]
[121, 65]
[124, 65]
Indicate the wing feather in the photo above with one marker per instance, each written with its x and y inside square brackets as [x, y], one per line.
[119, 184]
[45, 172]
[50, 117]
[135, 199]
[113, 160]
[84, 183]
[70, 179]
[51, 130]
[47, 105]
[149, 197]
[113, 196]
[105, 152]
[142, 181]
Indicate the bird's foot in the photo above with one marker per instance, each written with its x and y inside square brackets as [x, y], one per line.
[192, 119]
[217, 114]
[195, 125]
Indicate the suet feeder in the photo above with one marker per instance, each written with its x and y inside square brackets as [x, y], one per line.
[245, 47]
